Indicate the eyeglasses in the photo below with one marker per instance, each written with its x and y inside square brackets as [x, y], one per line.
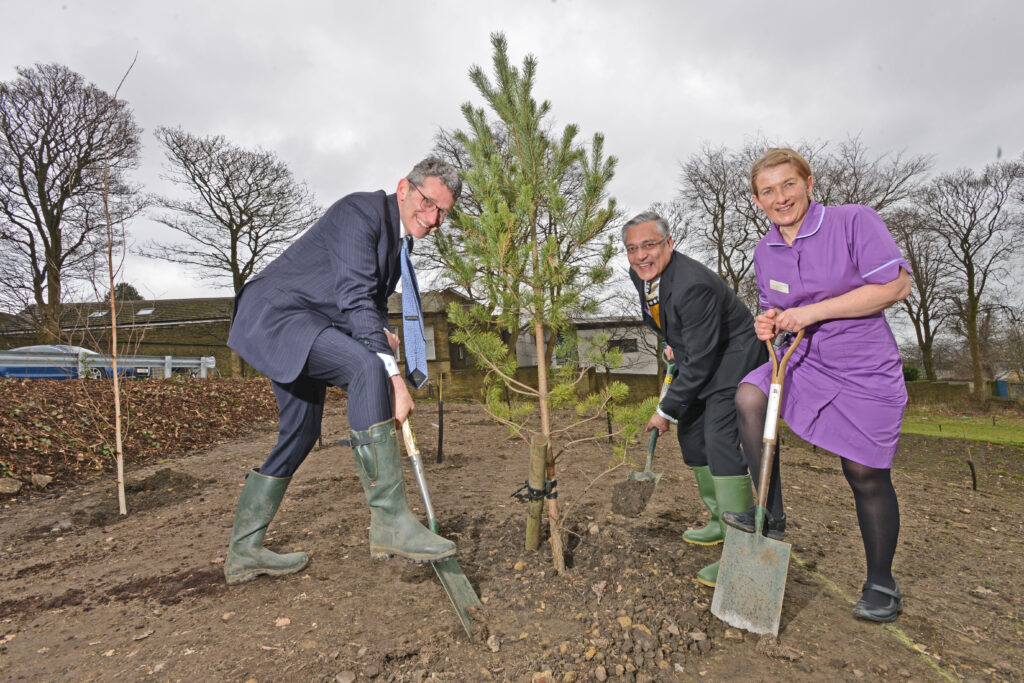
[428, 204]
[644, 246]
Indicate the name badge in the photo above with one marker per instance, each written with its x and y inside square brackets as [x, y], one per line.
[779, 286]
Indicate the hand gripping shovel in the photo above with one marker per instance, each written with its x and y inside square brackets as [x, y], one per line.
[455, 583]
[752, 576]
[647, 474]
[631, 496]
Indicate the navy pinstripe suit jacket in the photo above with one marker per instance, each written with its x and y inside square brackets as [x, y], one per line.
[339, 273]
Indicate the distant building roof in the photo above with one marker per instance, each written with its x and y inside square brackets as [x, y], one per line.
[598, 321]
[144, 312]
[432, 302]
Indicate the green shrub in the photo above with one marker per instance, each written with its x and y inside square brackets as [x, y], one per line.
[911, 373]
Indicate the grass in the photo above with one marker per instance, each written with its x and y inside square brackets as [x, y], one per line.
[1006, 429]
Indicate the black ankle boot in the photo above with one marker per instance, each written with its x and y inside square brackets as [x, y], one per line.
[774, 527]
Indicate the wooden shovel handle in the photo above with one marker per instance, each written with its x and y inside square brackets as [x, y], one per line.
[772, 416]
[413, 451]
[779, 369]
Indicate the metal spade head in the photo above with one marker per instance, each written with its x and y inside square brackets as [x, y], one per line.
[751, 581]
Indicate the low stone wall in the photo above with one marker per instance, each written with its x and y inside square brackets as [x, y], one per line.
[958, 396]
[924, 393]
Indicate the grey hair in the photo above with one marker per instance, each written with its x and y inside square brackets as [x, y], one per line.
[660, 223]
[434, 167]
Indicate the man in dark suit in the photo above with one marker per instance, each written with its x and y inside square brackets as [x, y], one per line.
[709, 334]
[317, 315]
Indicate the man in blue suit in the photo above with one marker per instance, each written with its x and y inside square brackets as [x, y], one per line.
[317, 315]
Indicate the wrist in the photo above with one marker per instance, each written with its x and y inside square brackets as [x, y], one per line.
[665, 415]
[818, 312]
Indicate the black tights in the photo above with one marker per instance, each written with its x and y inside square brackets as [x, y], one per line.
[878, 511]
[751, 405]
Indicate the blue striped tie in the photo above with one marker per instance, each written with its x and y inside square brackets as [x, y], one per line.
[412, 321]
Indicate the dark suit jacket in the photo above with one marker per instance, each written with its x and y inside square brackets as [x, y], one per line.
[710, 330]
[338, 273]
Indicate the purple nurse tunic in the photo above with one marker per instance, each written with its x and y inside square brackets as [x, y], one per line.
[844, 388]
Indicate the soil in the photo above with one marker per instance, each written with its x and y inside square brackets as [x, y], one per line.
[86, 594]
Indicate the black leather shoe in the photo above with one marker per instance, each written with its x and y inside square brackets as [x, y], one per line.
[774, 527]
[885, 613]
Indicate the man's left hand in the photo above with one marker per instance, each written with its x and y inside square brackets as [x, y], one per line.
[393, 341]
[657, 422]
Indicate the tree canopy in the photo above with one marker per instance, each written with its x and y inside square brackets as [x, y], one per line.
[242, 208]
[66, 149]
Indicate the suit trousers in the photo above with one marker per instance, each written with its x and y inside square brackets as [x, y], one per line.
[709, 436]
[337, 359]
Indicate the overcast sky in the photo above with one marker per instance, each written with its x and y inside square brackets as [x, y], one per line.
[350, 94]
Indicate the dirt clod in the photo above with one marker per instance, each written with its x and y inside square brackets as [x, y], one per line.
[630, 498]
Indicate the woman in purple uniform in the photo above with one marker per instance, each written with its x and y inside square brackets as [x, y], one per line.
[832, 271]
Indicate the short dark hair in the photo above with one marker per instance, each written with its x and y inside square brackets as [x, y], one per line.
[660, 223]
[434, 167]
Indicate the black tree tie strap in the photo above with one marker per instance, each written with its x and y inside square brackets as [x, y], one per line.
[536, 494]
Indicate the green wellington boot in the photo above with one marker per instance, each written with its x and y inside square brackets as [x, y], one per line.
[247, 558]
[713, 533]
[734, 494]
[393, 529]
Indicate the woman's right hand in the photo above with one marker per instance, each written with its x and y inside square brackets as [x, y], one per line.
[764, 325]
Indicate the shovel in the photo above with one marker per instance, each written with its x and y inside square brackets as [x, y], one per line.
[647, 474]
[752, 576]
[632, 495]
[448, 571]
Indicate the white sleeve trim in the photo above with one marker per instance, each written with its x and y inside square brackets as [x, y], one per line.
[884, 265]
[667, 416]
[389, 364]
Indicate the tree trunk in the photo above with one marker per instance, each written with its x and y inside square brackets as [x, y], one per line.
[554, 522]
[236, 364]
[975, 346]
[928, 360]
[538, 462]
[608, 412]
[557, 556]
[49, 324]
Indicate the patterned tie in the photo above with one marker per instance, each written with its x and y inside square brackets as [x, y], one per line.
[412, 321]
[653, 301]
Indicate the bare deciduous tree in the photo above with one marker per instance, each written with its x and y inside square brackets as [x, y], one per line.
[977, 223]
[714, 193]
[244, 207]
[674, 213]
[1011, 339]
[927, 304]
[65, 145]
[848, 175]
